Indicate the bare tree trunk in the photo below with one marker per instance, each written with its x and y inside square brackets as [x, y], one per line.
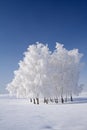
[62, 100]
[66, 99]
[30, 99]
[34, 101]
[56, 100]
[37, 100]
[45, 100]
[71, 98]
[51, 100]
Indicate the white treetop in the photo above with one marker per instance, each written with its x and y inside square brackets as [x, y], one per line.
[43, 73]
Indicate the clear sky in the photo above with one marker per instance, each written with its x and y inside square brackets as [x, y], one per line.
[23, 22]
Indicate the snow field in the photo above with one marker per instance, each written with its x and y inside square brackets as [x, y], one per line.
[18, 114]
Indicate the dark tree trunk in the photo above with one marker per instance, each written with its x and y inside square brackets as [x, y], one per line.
[45, 100]
[56, 100]
[71, 98]
[62, 100]
[34, 101]
[51, 100]
[66, 99]
[30, 99]
[37, 100]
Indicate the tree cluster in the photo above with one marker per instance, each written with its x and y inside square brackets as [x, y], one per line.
[43, 73]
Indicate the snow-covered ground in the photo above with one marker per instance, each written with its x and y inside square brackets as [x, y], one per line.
[19, 114]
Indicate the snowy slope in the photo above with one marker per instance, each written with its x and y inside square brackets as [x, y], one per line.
[17, 114]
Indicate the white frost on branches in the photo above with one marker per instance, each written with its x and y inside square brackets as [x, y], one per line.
[43, 73]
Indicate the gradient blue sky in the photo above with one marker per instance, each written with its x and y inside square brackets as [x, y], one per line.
[23, 22]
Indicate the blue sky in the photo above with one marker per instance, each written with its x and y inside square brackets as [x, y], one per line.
[23, 22]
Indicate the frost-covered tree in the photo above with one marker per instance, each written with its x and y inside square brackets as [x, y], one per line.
[43, 73]
[66, 68]
[31, 79]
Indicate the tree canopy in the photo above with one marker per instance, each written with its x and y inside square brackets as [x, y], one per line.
[43, 73]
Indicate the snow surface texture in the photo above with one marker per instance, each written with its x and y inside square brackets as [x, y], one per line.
[18, 114]
[43, 73]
